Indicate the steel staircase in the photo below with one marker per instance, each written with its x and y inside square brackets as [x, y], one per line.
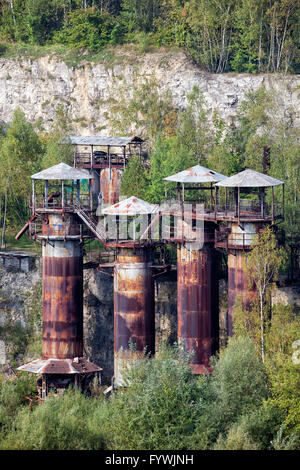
[95, 228]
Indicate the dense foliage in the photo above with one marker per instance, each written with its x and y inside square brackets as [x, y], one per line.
[221, 35]
[165, 407]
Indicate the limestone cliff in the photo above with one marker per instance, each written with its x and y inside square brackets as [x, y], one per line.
[39, 86]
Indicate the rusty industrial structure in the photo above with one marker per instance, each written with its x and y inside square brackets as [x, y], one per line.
[203, 222]
[197, 272]
[105, 158]
[246, 218]
[60, 230]
[134, 321]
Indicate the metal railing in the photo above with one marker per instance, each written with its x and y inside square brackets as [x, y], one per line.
[68, 202]
[250, 209]
[85, 159]
[231, 240]
[37, 229]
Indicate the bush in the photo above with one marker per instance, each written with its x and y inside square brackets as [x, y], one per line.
[160, 409]
[60, 423]
[236, 439]
[236, 387]
[12, 396]
[90, 29]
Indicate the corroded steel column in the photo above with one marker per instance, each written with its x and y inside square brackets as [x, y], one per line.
[133, 308]
[198, 302]
[237, 285]
[239, 243]
[110, 184]
[62, 289]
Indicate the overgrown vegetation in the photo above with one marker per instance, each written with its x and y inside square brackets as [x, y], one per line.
[247, 36]
[166, 407]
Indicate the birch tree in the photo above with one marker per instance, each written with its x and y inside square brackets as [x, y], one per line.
[263, 265]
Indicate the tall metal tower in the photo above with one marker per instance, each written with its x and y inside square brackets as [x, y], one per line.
[58, 209]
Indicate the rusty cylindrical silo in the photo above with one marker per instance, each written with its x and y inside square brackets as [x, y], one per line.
[62, 289]
[198, 301]
[133, 308]
[239, 243]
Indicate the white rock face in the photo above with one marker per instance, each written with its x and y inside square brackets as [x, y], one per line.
[39, 87]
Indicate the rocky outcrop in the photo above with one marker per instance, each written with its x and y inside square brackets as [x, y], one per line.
[40, 86]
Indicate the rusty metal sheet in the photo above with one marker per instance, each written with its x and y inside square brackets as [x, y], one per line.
[238, 284]
[60, 366]
[101, 140]
[131, 206]
[250, 179]
[54, 225]
[62, 171]
[62, 294]
[110, 184]
[134, 319]
[196, 174]
[197, 302]
[62, 307]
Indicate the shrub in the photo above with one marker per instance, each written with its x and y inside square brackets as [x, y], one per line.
[159, 410]
[236, 387]
[60, 423]
[90, 29]
[12, 396]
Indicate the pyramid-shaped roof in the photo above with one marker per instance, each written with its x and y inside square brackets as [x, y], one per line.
[250, 179]
[131, 206]
[62, 171]
[196, 174]
[60, 366]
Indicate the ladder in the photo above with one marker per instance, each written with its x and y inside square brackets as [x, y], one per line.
[97, 229]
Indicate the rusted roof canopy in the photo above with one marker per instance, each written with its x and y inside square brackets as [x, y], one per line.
[196, 174]
[60, 366]
[62, 171]
[101, 140]
[131, 206]
[250, 179]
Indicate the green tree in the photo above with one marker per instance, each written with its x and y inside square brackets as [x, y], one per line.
[62, 423]
[44, 17]
[140, 14]
[89, 28]
[237, 387]
[282, 363]
[211, 25]
[263, 263]
[159, 410]
[55, 151]
[21, 151]
[135, 179]
[147, 111]
[247, 44]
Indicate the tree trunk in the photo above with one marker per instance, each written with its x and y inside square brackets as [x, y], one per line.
[262, 328]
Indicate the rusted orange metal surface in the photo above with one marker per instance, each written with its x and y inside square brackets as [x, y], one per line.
[56, 225]
[133, 307]
[62, 294]
[238, 286]
[198, 302]
[110, 184]
[240, 240]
